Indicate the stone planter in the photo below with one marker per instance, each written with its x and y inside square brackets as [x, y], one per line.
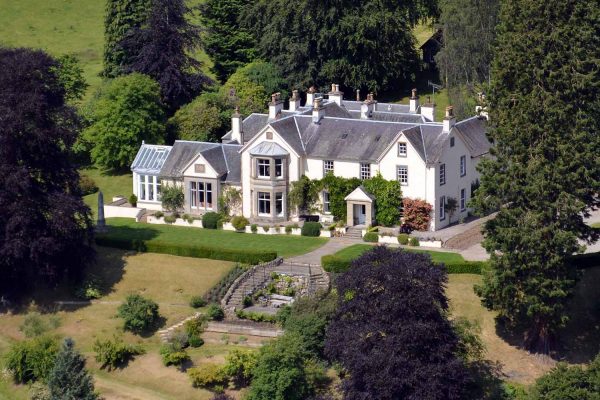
[325, 233]
[388, 239]
[227, 226]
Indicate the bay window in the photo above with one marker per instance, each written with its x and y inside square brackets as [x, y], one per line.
[278, 167]
[264, 203]
[279, 204]
[263, 167]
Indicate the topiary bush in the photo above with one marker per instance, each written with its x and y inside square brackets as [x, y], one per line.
[215, 312]
[133, 200]
[139, 313]
[288, 229]
[239, 223]
[371, 237]
[159, 214]
[169, 219]
[254, 228]
[413, 241]
[197, 302]
[210, 220]
[403, 239]
[311, 229]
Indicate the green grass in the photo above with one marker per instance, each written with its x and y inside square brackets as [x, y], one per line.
[63, 27]
[284, 245]
[354, 251]
[110, 185]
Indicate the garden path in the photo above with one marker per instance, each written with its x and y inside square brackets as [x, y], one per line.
[332, 246]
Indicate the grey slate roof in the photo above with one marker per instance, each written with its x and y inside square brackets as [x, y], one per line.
[150, 158]
[352, 105]
[470, 130]
[182, 153]
[391, 117]
[251, 125]
[270, 149]
[233, 158]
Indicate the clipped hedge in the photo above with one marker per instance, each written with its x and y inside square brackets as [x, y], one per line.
[371, 237]
[210, 220]
[311, 229]
[335, 264]
[186, 250]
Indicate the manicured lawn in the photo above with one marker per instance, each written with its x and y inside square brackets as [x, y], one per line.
[168, 280]
[284, 245]
[354, 251]
[110, 185]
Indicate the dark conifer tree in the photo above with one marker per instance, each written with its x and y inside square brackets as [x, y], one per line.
[391, 332]
[69, 379]
[45, 228]
[228, 44]
[545, 174]
[122, 17]
[163, 49]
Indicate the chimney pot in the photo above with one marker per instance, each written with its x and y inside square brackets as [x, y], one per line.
[449, 112]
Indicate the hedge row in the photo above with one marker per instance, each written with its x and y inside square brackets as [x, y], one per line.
[333, 263]
[184, 250]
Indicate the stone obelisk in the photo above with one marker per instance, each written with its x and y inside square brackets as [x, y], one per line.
[100, 223]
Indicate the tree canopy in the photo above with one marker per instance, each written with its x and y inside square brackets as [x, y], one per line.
[122, 17]
[45, 228]
[69, 379]
[544, 175]
[367, 45]
[390, 302]
[566, 382]
[228, 44]
[163, 48]
[126, 112]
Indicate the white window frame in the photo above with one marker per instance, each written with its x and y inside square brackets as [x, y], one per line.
[326, 202]
[279, 203]
[402, 178]
[328, 166]
[264, 197]
[198, 190]
[148, 188]
[365, 171]
[263, 163]
[463, 199]
[442, 209]
[402, 149]
[442, 174]
[463, 165]
[278, 168]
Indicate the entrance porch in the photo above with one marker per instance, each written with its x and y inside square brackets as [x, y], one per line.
[360, 207]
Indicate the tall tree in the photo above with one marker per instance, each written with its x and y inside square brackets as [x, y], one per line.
[228, 45]
[45, 228]
[122, 17]
[366, 45]
[163, 49]
[126, 112]
[544, 176]
[390, 303]
[469, 32]
[69, 379]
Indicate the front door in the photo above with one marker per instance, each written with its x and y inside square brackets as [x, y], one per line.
[360, 214]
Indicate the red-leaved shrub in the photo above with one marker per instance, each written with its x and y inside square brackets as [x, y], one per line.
[417, 214]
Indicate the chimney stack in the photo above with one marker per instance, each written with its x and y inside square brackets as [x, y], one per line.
[335, 94]
[275, 106]
[318, 110]
[414, 102]
[236, 126]
[310, 96]
[428, 110]
[294, 101]
[366, 109]
[449, 119]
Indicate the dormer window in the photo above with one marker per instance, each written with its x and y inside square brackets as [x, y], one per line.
[402, 149]
[263, 168]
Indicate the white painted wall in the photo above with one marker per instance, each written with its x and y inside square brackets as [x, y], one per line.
[209, 172]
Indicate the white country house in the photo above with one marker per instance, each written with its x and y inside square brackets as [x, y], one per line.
[264, 153]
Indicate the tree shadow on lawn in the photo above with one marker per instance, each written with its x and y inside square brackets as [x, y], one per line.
[107, 269]
[579, 340]
[139, 232]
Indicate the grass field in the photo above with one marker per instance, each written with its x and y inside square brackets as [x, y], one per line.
[168, 280]
[354, 251]
[284, 245]
[63, 27]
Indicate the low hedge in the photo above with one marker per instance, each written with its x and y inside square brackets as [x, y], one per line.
[371, 237]
[185, 250]
[335, 264]
[311, 229]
